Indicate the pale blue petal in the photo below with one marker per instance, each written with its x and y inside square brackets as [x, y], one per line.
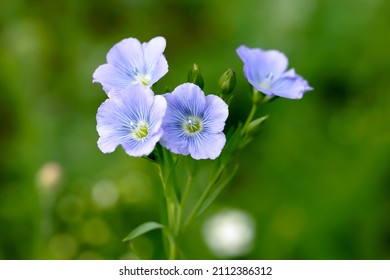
[156, 114]
[110, 126]
[137, 100]
[111, 78]
[127, 56]
[108, 144]
[258, 64]
[152, 53]
[289, 73]
[174, 140]
[159, 70]
[273, 62]
[191, 98]
[215, 114]
[290, 87]
[186, 100]
[141, 148]
[207, 145]
[246, 54]
[252, 70]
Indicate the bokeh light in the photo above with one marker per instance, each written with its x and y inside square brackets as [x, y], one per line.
[229, 233]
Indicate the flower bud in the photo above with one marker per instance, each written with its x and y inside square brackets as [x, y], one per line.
[255, 125]
[227, 82]
[195, 77]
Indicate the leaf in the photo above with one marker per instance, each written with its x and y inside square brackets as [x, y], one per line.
[234, 137]
[216, 192]
[142, 229]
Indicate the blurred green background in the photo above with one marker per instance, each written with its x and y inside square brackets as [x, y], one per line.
[316, 181]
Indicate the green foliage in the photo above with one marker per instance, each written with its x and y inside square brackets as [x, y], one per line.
[142, 229]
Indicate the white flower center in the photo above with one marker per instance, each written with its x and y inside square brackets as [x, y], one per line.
[266, 82]
[143, 79]
[139, 131]
[192, 125]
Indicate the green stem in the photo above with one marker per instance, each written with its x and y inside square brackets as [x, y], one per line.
[186, 192]
[256, 97]
[172, 247]
[204, 196]
[250, 118]
[171, 214]
[183, 202]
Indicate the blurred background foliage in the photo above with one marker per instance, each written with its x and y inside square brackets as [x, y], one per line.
[316, 182]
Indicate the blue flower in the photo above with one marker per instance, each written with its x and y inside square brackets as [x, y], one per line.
[266, 72]
[130, 62]
[132, 118]
[193, 123]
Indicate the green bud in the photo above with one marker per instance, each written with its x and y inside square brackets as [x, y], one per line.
[254, 126]
[195, 77]
[227, 82]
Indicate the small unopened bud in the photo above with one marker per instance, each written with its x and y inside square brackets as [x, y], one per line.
[255, 125]
[195, 77]
[227, 82]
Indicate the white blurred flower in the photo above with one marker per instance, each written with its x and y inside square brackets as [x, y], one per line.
[229, 233]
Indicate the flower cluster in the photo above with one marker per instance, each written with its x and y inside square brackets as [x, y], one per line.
[185, 121]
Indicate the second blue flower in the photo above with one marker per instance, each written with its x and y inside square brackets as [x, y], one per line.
[194, 123]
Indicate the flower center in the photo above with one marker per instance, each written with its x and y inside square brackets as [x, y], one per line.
[143, 79]
[139, 131]
[266, 82]
[192, 125]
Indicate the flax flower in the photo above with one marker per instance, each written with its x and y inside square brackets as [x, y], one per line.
[266, 72]
[130, 62]
[193, 123]
[132, 118]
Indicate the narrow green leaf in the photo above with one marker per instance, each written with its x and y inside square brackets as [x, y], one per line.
[216, 192]
[142, 229]
[234, 137]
